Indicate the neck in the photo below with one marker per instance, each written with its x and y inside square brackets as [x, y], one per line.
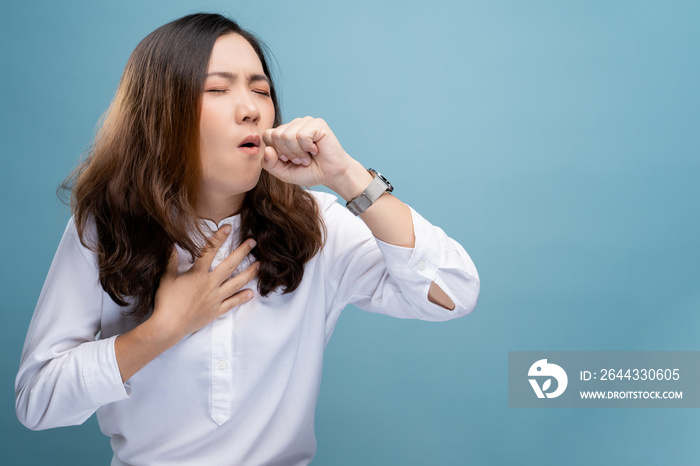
[217, 208]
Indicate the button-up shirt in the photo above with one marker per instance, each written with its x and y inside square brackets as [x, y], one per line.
[242, 390]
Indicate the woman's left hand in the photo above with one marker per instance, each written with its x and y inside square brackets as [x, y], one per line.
[306, 152]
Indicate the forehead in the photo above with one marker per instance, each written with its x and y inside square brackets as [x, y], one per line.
[233, 52]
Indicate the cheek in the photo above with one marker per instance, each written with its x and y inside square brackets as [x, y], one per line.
[212, 133]
[268, 116]
[208, 125]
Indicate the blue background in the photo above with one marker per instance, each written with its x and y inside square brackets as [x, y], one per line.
[557, 141]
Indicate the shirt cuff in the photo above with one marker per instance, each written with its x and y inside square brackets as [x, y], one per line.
[417, 264]
[101, 373]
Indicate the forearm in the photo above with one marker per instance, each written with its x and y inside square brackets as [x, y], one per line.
[140, 346]
[388, 218]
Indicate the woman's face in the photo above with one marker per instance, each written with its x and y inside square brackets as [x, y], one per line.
[236, 109]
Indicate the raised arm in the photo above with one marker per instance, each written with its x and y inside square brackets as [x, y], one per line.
[306, 152]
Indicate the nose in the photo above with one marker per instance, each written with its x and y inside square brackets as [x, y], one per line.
[246, 108]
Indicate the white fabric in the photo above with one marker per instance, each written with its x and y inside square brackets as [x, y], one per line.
[242, 390]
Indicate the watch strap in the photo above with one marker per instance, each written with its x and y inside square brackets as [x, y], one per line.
[374, 190]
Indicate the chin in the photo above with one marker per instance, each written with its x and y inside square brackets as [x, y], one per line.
[252, 183]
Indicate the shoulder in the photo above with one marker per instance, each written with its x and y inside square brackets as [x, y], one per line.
[324, 200]
[332, 211]
[341, 225]
[83, 243]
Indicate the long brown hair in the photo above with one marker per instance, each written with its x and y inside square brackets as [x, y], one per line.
[139, 183]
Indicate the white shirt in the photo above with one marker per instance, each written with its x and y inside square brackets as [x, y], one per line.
[242, 390]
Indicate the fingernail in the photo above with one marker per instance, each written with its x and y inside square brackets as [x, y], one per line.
[249, 294]
[252, 243]
[227, 229]
[297, 161]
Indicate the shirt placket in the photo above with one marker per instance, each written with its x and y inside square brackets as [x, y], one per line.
[221, 372]
[222, 358]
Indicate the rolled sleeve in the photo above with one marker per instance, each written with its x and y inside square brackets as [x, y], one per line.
[394, 280]
[436, 258]
[418, 263]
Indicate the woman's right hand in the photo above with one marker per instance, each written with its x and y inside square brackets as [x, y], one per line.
[187, 302]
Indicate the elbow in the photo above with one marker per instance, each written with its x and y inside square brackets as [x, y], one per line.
[28, 419]
[32, 407]
[26, 406]
[29, 424]
[468, 298]
[473, 296]
[38, 410]
[457, 301]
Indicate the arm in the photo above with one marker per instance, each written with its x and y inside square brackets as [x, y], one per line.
[388, 219]
[65, 374]
[306, 152]
[185, 303]
[380, 277]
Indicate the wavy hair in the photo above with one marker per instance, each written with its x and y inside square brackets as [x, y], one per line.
[141, 178]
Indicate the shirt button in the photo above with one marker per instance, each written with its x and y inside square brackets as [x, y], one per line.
[222, 365]
[219, 256]
[421, 265]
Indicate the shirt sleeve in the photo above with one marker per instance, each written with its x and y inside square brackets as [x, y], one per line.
[379, 277]
[65, 374]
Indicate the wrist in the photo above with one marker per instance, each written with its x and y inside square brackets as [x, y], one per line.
[352, 182]
[160, 332]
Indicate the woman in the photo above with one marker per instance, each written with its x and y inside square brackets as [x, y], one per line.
[197, 284]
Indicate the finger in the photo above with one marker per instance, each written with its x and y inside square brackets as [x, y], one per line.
[285, 140]
[229, 265]
[269, 160]
[209, 252]
[236, 284]
[308, 133]
[236, 300]
[267, 136]
[307, 140]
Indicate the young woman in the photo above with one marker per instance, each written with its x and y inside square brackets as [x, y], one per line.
[197, 284]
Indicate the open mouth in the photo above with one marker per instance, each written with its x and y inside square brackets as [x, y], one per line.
[250, 142]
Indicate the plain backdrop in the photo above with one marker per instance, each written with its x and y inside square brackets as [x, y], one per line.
[558, 142]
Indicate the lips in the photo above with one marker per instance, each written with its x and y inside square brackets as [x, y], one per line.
[250, 141]
[250, 145]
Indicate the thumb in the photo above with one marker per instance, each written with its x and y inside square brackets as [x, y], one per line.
[270, 160]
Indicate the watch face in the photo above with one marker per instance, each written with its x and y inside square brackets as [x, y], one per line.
[389, 186]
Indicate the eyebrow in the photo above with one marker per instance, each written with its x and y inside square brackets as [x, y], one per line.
[232, 77]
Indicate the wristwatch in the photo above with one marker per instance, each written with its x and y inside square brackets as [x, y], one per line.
[376, 188]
